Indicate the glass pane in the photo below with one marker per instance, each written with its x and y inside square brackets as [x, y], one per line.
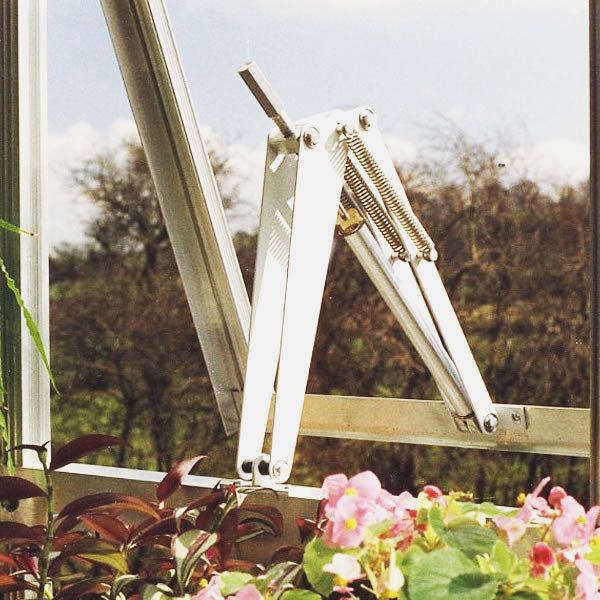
[485, 115]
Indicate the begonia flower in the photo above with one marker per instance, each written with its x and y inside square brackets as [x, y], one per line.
[248, 592]
[586, 584]
[347, 523]
[212, 590]
[542, 558]
[365, 484]
[574, 525]
[533, 504]
[512, 527]
[396, 509]
[556, 495]
[345, 569]
[391, 580]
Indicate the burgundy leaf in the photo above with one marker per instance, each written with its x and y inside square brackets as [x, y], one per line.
[17, 488]
[93, 585]
[288, 554]
[8, 583]
[107, 526]
[5, 559]
[274, 516]
[59, 543]
[65, 525]
[169, 526]
[18, 533]
[35, 447]
[235, 564]
[172, 480]
[210, 500]
[81, 446]
[108, 500]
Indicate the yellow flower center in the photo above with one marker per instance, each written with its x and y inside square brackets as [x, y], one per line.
[390, 594]
[581, 520]
[521, 498]
[351, 523]
[203, 582]
[351, 492]
[339, 581]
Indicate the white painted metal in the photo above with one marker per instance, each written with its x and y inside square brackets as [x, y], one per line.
[32, 125]
[188, 194]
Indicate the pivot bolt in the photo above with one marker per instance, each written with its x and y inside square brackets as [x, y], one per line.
[311, 136]
[516, 417]
[490, 423]
[279, 468]
[366, 118]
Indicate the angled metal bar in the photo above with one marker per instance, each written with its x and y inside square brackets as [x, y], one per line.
[23, 126]
[188, 194]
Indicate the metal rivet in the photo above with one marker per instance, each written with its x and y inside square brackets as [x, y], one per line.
[279, 468]
[490, 423]
[311, 136]
[366, 118]
[516, 417]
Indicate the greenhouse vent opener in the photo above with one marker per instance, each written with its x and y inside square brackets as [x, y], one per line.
[333, 172]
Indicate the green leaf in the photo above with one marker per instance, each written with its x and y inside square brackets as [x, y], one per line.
[300, 595]
[232, 582]
[448, 574]
[316, 556]
[154, 592]
[119, 583]
[31, 325]
[468, 536]
[487, 508]
[10, 227]
[502, 558]
[187, 549]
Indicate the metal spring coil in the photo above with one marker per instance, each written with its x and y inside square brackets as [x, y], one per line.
[357, 184]
[397, 205]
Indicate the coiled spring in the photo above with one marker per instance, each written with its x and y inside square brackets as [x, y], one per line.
[369, 203]
[397, 205]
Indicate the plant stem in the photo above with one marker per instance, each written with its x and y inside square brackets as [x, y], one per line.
[45, 556]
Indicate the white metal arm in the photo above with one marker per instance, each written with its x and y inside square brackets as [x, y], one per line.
[334, 168]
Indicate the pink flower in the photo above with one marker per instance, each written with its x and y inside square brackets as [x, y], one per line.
[556, 495]
[365, 484]
[541, 557]
[211, 591]
[248, 592]
[346, 526]
[587, 581]
[345, 568]
[533, 504]
[512, 527]
[574, 526]
[396, 510]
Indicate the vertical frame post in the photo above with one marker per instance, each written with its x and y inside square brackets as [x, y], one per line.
[23, 126]
[594, 30]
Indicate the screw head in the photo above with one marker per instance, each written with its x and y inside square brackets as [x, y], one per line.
[311, 136]
[516, 417]
[490, 423]
[366, 118]
[279, 468]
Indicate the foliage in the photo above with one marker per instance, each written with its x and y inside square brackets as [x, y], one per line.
[117, 546]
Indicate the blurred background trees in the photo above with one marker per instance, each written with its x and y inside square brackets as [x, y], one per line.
[512, 256]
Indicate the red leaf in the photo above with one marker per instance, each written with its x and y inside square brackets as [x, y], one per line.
[59, 543]
[12, 584]
[17, 533]
[17, 488]
[288, 554]
[5, 559]
[172, 480]
[107, 526]
[210, 500]
[93, 585]
[169, 526]
[110, 501]
[81, 446]
[274, 516]
[27, 563]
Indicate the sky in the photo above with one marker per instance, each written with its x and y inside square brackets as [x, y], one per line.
[516, 68]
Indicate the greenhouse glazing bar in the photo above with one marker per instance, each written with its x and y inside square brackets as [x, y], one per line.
[594, 32]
